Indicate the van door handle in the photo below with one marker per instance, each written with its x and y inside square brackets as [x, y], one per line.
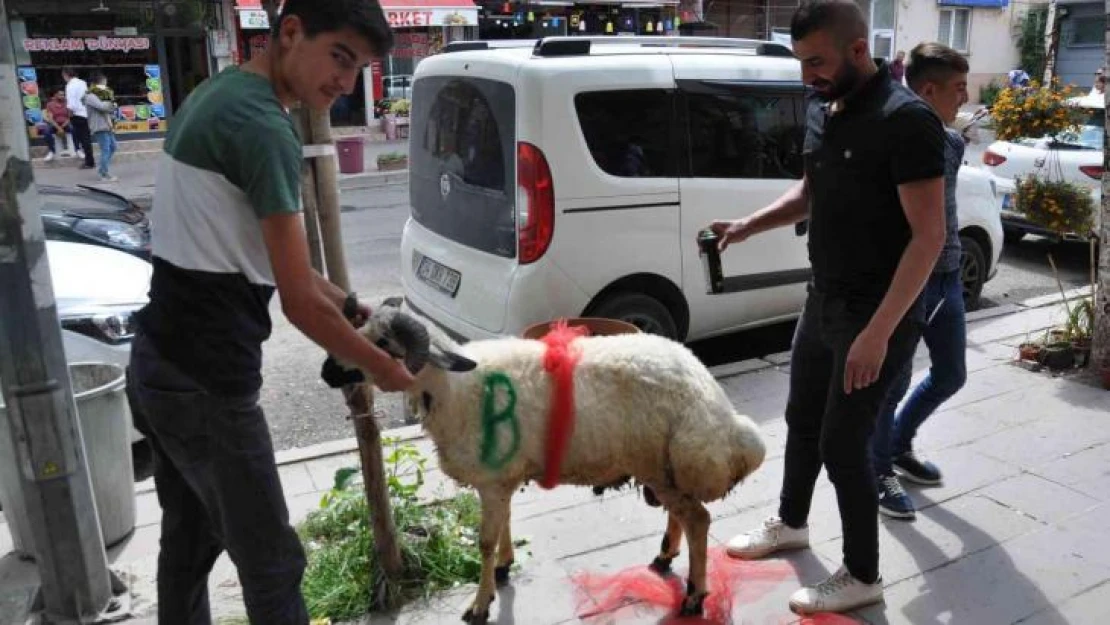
[801, 228]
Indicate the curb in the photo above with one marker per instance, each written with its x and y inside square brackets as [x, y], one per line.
[375, 179]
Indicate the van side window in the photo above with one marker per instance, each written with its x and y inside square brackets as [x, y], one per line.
[745, 134]
[463, 134]
[628, 132]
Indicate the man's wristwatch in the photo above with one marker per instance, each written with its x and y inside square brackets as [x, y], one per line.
[350, 306]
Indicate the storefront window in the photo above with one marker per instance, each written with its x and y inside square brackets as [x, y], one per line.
[152, 53]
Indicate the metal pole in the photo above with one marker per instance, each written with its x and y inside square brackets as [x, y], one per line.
[41, 415]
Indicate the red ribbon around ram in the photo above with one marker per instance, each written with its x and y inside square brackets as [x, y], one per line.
[559, 361]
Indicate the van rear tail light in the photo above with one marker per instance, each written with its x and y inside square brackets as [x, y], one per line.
[1092, 171]
[535, 202]
[993, 159]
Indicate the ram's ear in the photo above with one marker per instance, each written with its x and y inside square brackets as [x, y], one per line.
[450, 361]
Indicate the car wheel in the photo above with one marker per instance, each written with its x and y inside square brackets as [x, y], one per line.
[1012, 235]
[643, 311]
[973, 271]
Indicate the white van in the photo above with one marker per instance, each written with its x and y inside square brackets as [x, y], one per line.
[571, 176]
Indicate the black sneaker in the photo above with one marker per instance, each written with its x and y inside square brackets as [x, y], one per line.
[893, 500]
[908, 465]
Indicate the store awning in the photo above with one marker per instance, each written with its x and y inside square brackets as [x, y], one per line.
[420, 13]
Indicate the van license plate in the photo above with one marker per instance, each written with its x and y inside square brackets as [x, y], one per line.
[443, 278]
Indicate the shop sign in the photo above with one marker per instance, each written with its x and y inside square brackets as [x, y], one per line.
[252, 19]
[408, 18]
[81, 44]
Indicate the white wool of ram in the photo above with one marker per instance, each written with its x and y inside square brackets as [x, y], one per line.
[646, 409]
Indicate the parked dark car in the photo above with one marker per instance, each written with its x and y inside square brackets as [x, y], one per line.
[84, 214]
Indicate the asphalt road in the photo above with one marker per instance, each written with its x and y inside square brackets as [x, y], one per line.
[303, 411]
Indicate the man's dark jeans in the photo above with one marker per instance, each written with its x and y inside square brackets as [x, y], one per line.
[826, 426]
[83, 138]
[946, 337]
[218, 486]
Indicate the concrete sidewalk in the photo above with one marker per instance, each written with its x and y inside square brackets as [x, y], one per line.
[137, 176]
[1015, 534]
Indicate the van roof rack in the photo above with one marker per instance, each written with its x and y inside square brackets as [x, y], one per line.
[576, 46]
[467, 46]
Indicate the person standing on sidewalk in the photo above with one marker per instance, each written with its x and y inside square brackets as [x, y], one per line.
[938, 74]
[56, 124]
[873, 191]
[75, 100]
[101, 104]
[227, 232]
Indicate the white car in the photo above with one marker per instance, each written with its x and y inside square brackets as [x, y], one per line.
[570, 177]
[1079, 155]
[97, 290]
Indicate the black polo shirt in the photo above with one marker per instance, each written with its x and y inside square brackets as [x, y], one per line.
[855, 158]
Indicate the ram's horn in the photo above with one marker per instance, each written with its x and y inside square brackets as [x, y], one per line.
[413, 336]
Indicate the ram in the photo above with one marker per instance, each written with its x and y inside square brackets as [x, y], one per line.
[645, 409]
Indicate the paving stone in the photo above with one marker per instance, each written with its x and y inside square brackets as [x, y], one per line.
[322, 470]
[967, 471]
[940, 534]
[1038, 498]
[142, 543]
[994, 382]
[1089, 607]
[760, 384]
[1086, 471]
[1038, 443]
[147, 510]
[296, 480]
[953, 427]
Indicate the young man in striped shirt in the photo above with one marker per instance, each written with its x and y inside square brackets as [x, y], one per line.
[227, 233]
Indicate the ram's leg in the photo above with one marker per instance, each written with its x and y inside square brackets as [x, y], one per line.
[505, 551]
[495, 509]
[695, 519]
[670, 548]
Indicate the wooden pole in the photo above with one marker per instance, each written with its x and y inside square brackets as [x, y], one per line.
[359, 397]
[308, 197]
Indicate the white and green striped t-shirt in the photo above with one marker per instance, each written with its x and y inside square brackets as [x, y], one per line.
[232, 157]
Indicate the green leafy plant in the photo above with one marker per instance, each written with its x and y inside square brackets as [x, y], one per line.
[988, 93]
[1030, 40]
[438, 539]
[1056, 205]
[400, 107]
[392, 157]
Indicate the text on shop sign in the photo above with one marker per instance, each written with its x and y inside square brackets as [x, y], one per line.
[410, 18]
[92, 44]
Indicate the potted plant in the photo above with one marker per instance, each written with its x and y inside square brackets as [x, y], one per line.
[1079, 326]
[400, 107]
[393, 161]
[1059, 206]
[1034, 111]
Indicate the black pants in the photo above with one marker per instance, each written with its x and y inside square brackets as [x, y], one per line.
[218, 486]
[83, 138]
[825, 426]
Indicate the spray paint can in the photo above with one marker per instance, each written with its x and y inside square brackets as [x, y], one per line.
[711, 260]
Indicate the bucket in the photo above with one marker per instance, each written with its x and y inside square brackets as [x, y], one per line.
[595, 326]
[105, 418]
[349, 152]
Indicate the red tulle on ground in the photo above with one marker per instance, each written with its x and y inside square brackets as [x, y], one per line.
[559, 361]
[730, 582]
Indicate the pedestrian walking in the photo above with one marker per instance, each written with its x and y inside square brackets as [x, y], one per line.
[938, 74]
[101, 104]
[873, 192]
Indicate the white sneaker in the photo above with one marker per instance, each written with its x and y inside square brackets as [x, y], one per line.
[109, 178]
[49, 157]
[80, 155]
[773, 536]
[839, 593]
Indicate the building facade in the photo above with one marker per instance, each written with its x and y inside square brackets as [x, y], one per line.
[1080, 45]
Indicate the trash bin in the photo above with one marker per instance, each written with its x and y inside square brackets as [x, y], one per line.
[349, 150]
[105, 418]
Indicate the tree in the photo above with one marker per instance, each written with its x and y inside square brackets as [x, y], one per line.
[1100, 346]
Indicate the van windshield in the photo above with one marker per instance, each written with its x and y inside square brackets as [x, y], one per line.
[462, 156]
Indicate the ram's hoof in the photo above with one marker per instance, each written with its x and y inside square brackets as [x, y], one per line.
[692, 606]
[501, 574]
[661, 565]
[650, 498]
[475, 619]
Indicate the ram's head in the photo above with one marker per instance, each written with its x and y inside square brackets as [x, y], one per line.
[404, 337]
